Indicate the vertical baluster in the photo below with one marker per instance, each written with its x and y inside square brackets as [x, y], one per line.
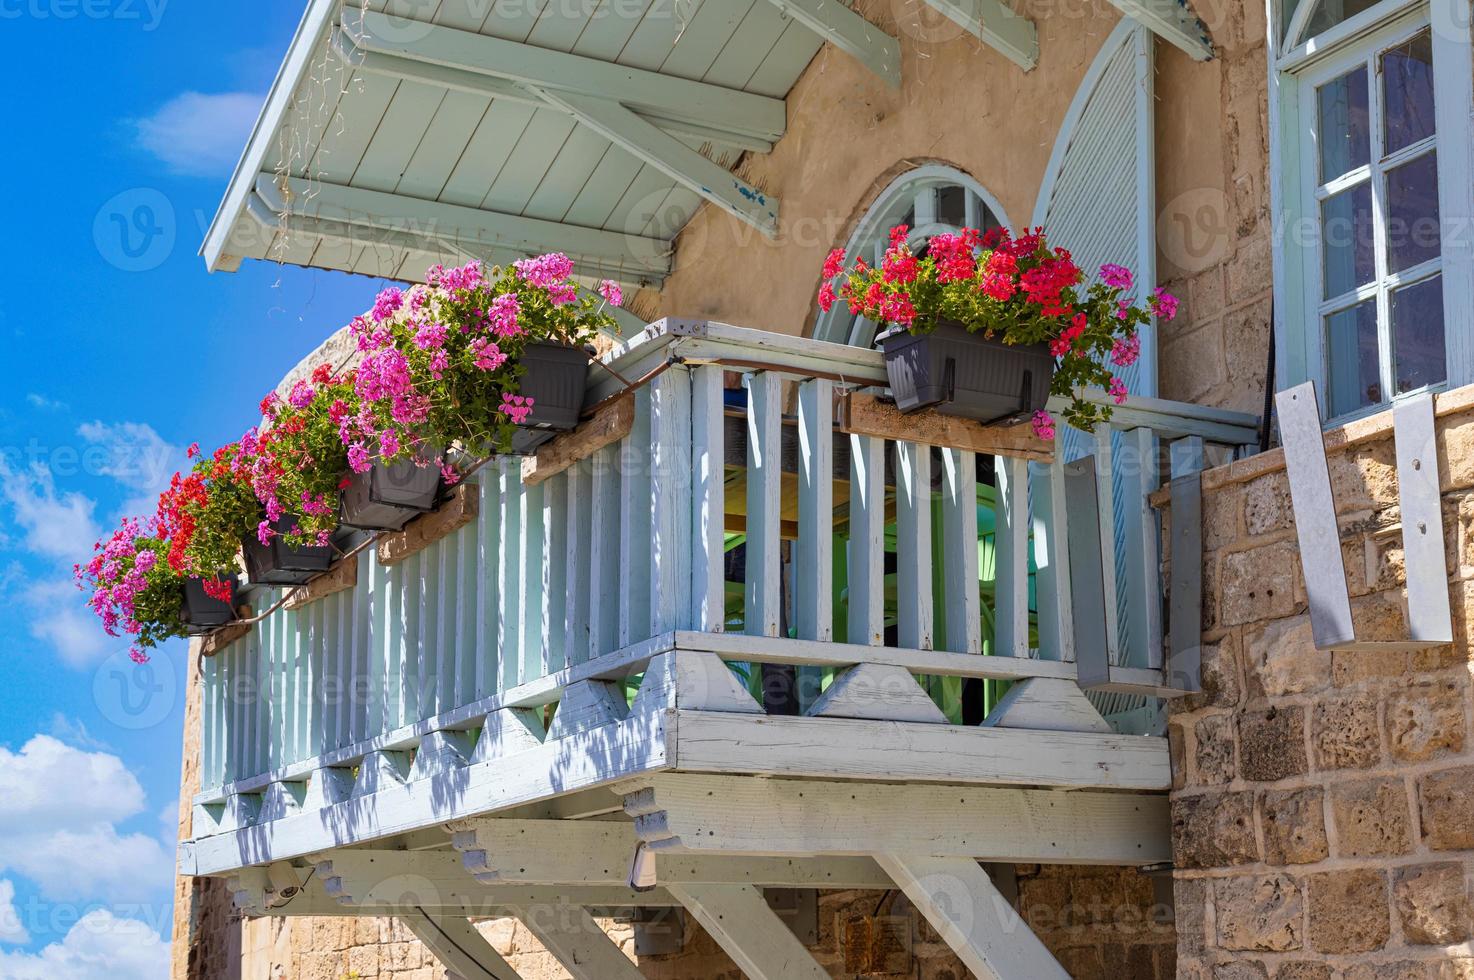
[341, 612]
[468, 602]
[448, 598]
[814, 567]
[960, 551]
[428, 568]
[1142, 583]
[708, 502]
[261, 730]
[670, 515]
[555, 572]
[1051, 559]
[764, 503]
[488, 538]
[1105, 498]
[604, 553]
[914, 613]
[634, 526]
[371, 579]
[532, 534]
[208, 683]
[1011, 557]
[866, 573]
[412, 601]
[578, 549]
[359, 599]
[391, 579]
[281, 702]
[509, 585]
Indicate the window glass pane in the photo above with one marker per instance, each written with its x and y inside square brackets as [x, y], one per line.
[1348, 252]
[1287, 14]
[1345, 130]
[1351, 345]
[952, 206]
[1412, 213]
[1329, 13]
[1417, 334]
[1407, 92]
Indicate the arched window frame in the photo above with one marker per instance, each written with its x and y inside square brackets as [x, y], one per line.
[915, 192]
[1297, 65]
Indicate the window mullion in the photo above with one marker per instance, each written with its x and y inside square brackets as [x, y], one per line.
[1375, 110]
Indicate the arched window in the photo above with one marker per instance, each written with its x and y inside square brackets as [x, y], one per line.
[930, 200]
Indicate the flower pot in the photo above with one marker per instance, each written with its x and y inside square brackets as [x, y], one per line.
[279, 563]
[201, 611]
[957, 372]
[387, 495]
[555, 378]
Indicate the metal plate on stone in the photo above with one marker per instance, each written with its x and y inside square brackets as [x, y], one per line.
[1185, 609]
[1315, 516]
[1429, 617]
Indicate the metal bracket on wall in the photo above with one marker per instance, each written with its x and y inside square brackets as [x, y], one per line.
[1185, 608]
[1429, 617]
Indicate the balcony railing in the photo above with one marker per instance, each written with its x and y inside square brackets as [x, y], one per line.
[735, 520]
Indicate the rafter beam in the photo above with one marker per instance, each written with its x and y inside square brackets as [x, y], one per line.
[997, 25]
[1173, 21]
[622, 127]
[598, 852]
[639, 257]
[747, 928]
[577, 942]
[492, 87]
[742, 815]
[459, 947]
[836, 23]
[973, 918]
[648, 91]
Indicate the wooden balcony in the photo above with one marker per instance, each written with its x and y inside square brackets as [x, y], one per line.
[923, 642]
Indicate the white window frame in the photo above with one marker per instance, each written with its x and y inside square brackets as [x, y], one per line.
[1296, 68]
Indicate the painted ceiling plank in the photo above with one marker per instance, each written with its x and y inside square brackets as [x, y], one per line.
[699, 102]
[490, 86]
[973, 918]
[658, 148]
[1000, 27]
[850, 32]
[1173, 21]
[338, 204]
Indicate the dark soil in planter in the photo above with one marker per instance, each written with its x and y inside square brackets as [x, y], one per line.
[957, 372]
[387, 496]
[555, 379]
[279, 563]
[202, 612]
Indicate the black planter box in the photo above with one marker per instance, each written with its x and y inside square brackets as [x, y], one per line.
[202, 612]
[960, 373]
[279, 563]
[386, 496]
[555, 379]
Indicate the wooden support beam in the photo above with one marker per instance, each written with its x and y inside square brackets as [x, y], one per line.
[340, 578]
[459, 947]
[742, 923]
[867, 415]
[607, 426]
[577, 942]
[597, 853]
[1047, 704]
[461, 509]
[741, 815]
[997, 25]
[850, 32]
[978, 923]
[1174, 22]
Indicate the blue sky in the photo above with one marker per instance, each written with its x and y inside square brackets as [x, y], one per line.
[125, 118]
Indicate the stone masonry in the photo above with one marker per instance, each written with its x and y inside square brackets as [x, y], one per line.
[1323, 811]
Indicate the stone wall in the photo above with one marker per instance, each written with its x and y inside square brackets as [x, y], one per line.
[1101, 923]
[1323, 816]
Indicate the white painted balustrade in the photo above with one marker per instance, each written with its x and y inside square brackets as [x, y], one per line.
[734, 520]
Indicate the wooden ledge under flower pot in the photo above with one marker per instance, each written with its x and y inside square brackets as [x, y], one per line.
[213, 643]
[608, 425]
[340, 578]
[863, 414]
[459, 510]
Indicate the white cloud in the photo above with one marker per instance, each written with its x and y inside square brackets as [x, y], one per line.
[11, 928]
[44, 404]
[100, 946]
[56, 525]
[200, 135]
[131, 453]
[60, 806]
[61, 619]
